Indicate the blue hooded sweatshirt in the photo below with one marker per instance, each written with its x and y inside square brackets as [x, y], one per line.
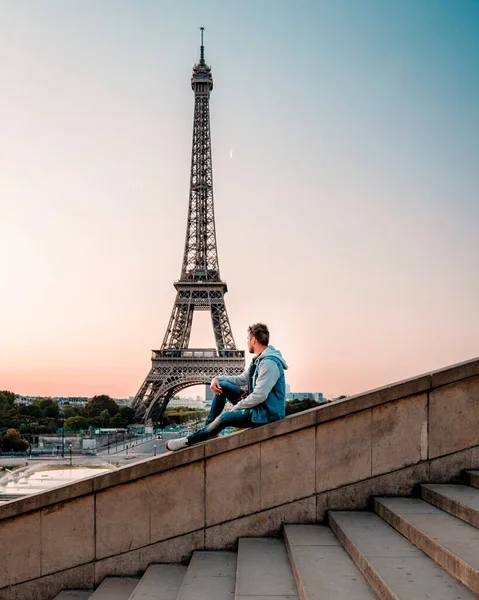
[266, 386]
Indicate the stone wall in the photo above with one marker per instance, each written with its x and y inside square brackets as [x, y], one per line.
[337, 456]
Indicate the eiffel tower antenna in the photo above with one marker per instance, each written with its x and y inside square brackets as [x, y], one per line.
[202, 49]
[175, 366]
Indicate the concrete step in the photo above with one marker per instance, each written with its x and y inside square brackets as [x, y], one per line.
[394, 568]
[264, 571]
[472, 478]
[321, 567]
[115, 588]
[461, 501]
[210, 576]
[160, 582]
[451, 543]
[73, 595]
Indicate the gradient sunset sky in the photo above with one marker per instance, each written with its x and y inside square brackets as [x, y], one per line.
[345, 137]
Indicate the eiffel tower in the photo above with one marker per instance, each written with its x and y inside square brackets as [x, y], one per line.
[176, 366]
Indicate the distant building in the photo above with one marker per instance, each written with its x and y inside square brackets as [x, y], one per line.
[209, 395]
[317, 396]
[72, 400]
[177, 402]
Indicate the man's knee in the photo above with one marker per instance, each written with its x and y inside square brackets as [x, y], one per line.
[230, 388]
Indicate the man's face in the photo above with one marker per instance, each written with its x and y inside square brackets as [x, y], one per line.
[250, 343]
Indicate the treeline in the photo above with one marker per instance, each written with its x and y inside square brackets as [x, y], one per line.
[47, 416]
[296, 405]
[182, 414]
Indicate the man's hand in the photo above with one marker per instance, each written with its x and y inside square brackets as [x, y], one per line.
[216, 387]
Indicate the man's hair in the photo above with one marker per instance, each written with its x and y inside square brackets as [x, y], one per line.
[260, 331]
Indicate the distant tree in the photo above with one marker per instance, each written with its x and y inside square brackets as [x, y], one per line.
[76, 423]
[68, 411]
[52, 411]
[128, 414]
[97, 404]
[295, 406]
[12, 441]
[118, 421]
[7, 399]
[105, 418]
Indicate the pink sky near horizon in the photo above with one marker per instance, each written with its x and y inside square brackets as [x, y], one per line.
[346, 216]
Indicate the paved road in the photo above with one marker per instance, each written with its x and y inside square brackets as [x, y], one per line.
[121, 457]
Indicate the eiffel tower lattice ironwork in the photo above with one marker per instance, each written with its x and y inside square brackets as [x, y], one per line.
[176, 366]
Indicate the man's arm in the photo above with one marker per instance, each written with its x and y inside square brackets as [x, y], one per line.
[268, 375]
[240, 380]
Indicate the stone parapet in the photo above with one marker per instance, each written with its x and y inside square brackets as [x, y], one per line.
[383, 442]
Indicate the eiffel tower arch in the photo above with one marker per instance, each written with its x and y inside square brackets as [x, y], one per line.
[175, 366]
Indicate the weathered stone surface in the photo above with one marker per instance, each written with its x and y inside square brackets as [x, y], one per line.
[355, 496]
[45, 588]
[76, 546]
[287, 468]
[115, 588]
[263, 570]
[343, 451]
[246, 437]
[177, 501]
[475, 458]
[47, 498]
[264, 523]
[160, 582]
[322, 569]
[469, 368]
[399, 434]
[400, 483]
[210, 575]
[149, 466]
[461, 501]
[383, 395]
[448, 468]
[472, 478]
[451, 543]
[393, 567]
[135, 562]
[122, 518]
[20, 549]
[232, 484]
[454, 417]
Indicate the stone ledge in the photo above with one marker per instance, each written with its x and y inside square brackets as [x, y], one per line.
[456, 372]
[348, 406]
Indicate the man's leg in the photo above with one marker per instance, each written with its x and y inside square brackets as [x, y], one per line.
[235, 418]
[229, 392]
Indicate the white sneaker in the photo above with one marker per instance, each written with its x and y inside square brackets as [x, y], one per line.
[177, 444]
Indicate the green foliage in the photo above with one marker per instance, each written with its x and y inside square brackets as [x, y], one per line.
[12, 441]
[128, 414]
[118, 421]
[7, 399]
[76, 424]
[296, 406]
[98, 404]
[105, 418]
[177, 416]
[46, 416]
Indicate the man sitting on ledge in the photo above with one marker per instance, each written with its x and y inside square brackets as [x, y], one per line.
[264, 402]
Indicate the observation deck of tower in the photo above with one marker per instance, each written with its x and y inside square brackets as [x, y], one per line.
[175, 366]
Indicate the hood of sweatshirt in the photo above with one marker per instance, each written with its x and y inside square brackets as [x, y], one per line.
[271, 351]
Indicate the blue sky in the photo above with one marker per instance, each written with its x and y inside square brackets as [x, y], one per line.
[345, 157]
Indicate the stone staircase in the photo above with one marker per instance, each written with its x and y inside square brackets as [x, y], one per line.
[408, 548]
